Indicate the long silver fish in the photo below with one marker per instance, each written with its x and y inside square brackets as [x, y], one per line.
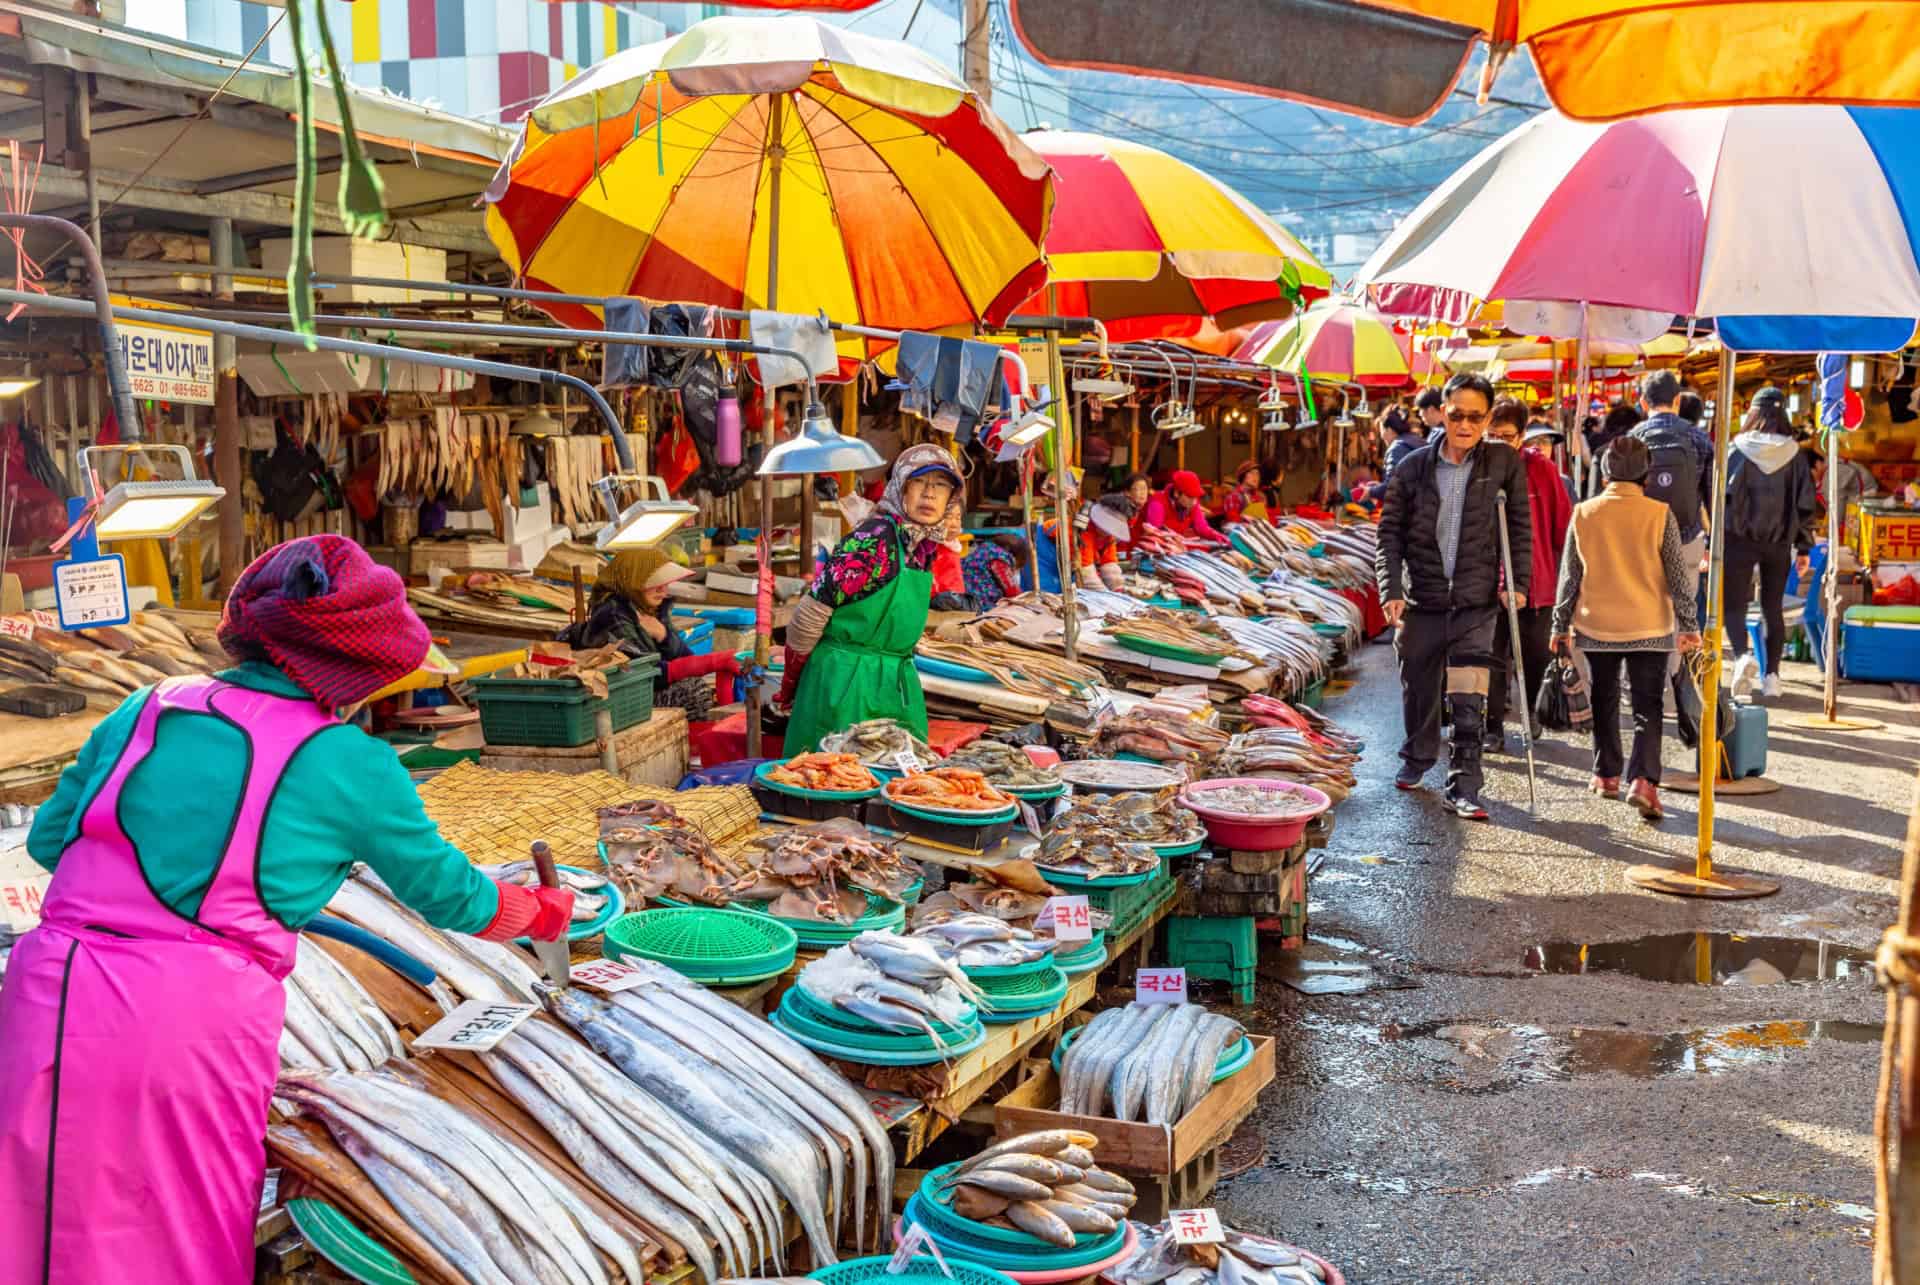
[599, 1164]
[349, 1028]
[1210, 1041]
[295, 1054]
[643, 1115]
[1129, 1080]
[657, 1064]
[803, 1062]
[912, 959]
[373, 1019]
[377, 914]
[1074, 1063]
[503, 962]
[306, 1021]
[1167, 1079]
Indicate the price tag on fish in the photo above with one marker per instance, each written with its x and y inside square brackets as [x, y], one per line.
[1197, 1227]
[1160, 986]
[476, 1025]
[20, 627]
[1030, 819]
[44, 619]
[1070, 918]
[907, 763]
[607, 975]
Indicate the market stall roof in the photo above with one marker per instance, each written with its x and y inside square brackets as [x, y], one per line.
[236, 158]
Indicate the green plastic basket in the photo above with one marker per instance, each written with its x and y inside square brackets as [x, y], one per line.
[950, 817]
[1063, 879]
[704, 944]
[924, 1269]
[1033, 992]
[936, 1210]
[804, 1003]
[1034, 1256]
[339, 1240]
[1094, 948]
[1167, 651]
[800, 792]
[1085, 963]
[993, 972]
[882, 916]
[860, 1046]
[559, 711]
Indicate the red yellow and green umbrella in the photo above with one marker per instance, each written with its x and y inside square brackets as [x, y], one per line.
[1334, 341]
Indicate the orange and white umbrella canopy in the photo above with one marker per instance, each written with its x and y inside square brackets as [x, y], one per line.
[775, 163]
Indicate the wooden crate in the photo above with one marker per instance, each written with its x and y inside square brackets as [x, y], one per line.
[1241, 861]
[1131, 1146]
[650, 753]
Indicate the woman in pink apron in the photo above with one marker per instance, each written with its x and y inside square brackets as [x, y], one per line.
[139, 1031]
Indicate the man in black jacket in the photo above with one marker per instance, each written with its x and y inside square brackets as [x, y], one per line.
[1439, 574]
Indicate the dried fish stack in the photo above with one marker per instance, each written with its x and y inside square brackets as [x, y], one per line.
[1241, 1259]
[113, 660]
[879, 742]
[671, 859]
[331, 1021]
[1151, 1062]
[492, 1208]
[1045, 1184]
[823, 871]
[1013, 891]
[1160, 739]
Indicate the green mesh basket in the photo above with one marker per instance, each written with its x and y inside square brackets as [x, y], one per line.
[705, 944]
[339, 1240]
[882, 916]
[869, 1045]
[920, 1270]
[1029, 993]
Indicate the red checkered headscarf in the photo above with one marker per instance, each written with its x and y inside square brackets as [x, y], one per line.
[334, 619]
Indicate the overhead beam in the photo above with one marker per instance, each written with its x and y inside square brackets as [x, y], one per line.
[173, 197]
[262, 177]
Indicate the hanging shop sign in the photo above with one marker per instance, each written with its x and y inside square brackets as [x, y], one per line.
[164, 362]
[91, 592]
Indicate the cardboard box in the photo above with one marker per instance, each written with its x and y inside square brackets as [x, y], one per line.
[1132, 1144]
[336, 256]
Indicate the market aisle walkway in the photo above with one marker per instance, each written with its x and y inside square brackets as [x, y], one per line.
[1489, 1113]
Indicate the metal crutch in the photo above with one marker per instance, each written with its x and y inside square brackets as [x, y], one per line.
[1519, 658]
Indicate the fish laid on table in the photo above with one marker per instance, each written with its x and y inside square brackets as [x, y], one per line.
[848, 980]
[1241, 1259]
[353, 1033]
[589, 890]
[381, 914]
[670, 859]
[1045, 1184]
[818, 861]
[879, 742]
[1150, 1062]
[1004, 765]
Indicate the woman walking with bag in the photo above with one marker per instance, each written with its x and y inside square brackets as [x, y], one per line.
[1626, 600]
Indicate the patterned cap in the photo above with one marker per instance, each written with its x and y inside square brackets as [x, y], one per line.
[334, 619]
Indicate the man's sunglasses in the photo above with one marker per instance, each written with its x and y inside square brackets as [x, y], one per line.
[1457, 416]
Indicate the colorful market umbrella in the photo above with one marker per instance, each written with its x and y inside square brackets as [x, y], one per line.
[1599, 59]
[1792, 226]
[1336, 341]
[1154, 247]
[775, 162]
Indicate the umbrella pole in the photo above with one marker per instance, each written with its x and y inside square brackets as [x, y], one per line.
[763, 600]
[1592, 465]
[1705, 881]
[1068, 543]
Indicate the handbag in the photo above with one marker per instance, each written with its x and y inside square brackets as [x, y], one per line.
[1564, 704]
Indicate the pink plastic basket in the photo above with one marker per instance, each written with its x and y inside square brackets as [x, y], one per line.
[1252, 831]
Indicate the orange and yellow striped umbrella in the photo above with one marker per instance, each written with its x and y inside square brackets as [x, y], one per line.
[775, 163]
[1335, 341]
[1154, 247]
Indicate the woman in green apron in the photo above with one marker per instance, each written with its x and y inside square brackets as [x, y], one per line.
[850, 644]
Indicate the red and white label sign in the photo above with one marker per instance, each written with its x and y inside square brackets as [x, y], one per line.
[20, 627]
[1160, 986]
[44, 619]
[607, 975]
[1070, 918]
[20, 902]
[1196, 1227]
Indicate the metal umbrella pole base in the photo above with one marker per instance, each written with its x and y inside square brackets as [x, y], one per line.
[1821, 723]
[1718, 886]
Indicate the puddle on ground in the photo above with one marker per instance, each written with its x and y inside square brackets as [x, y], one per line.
[1705, 959]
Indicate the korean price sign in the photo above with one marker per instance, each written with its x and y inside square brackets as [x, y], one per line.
[607, 975]
[92, 592]
[20, 902]
[475, 1026]
[1196, 1227]
[1069, 917]
[907, 762]
[1030, 819]
[20, 626]
[1160, 986]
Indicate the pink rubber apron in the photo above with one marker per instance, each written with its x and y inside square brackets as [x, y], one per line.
[138, 1046]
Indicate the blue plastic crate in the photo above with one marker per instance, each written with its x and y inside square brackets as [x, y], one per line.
[1879, 651]
[699, 636]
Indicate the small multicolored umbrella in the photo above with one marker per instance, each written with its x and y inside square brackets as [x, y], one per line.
[1335, 341]
[1154, 247]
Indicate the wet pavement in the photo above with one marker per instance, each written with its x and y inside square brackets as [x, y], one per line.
[1515, 1066]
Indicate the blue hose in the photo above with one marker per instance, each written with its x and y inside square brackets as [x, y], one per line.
[379, 947]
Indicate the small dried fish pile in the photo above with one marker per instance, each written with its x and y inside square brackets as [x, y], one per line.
[892, 982]
[957, 789]
[1013, 891]
[1045, 1184]
[1179, 629]
[1342, 556]
[822, 871]
[589, 890]
[1016, 668]
[493, 1208]
[668, 860]
[112, 660]
[1151, 1062]
[1164, 740]
[818, 771]
[713, 1118]
[1004, 765]
[983, 941]
[331, 1021]
[476, 969]
[1209, 578]
[879, 742]
[1243, 1259]
[1289, 754]
[1252, 801]
[1301, 598]
[1291, 647]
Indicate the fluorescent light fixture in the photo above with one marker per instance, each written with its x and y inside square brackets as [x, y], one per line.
[645, 522]
[818, 448]
[1105, 389]
[152, 510]
[14, 387]
[1857, 373]
[1273, 423]
[1029, 428]
[156, 510]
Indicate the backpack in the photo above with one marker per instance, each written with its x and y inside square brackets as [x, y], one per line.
[1673, 478]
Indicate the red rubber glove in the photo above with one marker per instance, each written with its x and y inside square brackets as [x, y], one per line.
[543, 914]
[724, 662]
[790, 678]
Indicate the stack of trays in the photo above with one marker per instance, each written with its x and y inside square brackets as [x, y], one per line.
[837, 1033]
[1006, 1000]
[1004, 1248]
[712, 947]
[1086, 955]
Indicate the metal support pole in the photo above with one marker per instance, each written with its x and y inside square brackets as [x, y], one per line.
[83, 103]
[976, 67]
[1066, 541]
[101, 309]
[763, 607]
[1716, 587]
[1830, 583]
[226, 422]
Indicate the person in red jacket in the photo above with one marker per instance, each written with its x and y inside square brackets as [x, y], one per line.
[1177, 509]
[1550, 509]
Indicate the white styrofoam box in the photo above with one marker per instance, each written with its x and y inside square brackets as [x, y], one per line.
[524, 555]
[350, 256]
[469, 520]
[525, 523]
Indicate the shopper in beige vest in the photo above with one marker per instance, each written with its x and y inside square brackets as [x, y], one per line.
[1626, 600]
